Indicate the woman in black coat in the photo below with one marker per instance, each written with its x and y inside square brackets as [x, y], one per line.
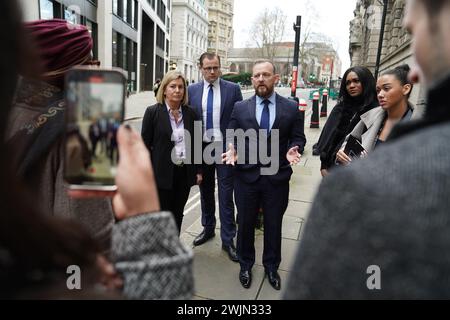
[357, 95]
[167, 129]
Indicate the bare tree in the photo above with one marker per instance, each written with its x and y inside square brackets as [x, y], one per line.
[268, 29]
[312, 43]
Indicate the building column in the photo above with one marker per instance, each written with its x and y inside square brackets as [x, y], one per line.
[30, 9]
[139, 47]
[104, 21]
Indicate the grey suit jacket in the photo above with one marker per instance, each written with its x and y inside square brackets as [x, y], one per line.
[367, 129]
[389, 210]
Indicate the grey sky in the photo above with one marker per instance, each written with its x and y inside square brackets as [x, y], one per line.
[332, 18]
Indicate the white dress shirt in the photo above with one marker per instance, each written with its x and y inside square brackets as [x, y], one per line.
[178, 134]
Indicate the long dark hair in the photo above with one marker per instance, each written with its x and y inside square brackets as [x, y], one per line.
[35, 251]
[368, 83]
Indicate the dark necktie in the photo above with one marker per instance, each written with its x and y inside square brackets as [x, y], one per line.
[265, 116]
[209, 108]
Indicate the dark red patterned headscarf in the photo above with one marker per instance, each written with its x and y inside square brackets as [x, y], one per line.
[61, 46]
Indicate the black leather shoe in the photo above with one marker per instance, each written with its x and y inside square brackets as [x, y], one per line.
[274, 279]
[231, 250]
[203, 237]
[245, 277]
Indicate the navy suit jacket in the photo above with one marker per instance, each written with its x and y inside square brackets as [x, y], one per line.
[230, 94]
[288, 121]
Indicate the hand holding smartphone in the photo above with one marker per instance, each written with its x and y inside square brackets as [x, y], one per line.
[95, 101]
[353, 148]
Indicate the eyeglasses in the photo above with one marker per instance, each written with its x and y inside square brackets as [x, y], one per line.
[209, 69]
[265, 76]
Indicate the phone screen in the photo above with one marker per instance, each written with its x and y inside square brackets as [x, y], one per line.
[353, 148]
[95, 109]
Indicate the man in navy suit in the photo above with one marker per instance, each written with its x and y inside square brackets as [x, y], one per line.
[277, 124]
[213, 99]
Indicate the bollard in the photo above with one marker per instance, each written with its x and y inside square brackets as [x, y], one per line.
[302, 105]
[302, 115]
[315, 111]
[323, 111]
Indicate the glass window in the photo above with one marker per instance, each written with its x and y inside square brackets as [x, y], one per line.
[125, 10]
[46, 9]
[133, 14]
[92, 27]
[116, 7]
[125, 55]
[115, 60]
[71, 16]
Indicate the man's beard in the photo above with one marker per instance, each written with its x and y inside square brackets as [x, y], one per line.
[263, 91]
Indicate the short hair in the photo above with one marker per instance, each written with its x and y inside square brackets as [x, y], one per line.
[210, 56]
[259, 61]
[401, 74]
[170, 76]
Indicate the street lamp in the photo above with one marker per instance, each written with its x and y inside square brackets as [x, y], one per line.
[297, 28]
[380, 42]
[331, 74]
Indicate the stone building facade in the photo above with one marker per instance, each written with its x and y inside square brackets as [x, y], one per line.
[323, 64]
[130, 34]
[189, 36]
[365, 31]
[220, 33]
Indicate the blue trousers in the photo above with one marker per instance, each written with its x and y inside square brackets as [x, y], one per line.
[226, 205]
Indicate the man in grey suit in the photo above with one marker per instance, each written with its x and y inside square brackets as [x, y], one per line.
[213, 99]
[380, 228]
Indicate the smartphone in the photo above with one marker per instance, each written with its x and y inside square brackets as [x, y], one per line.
[353, 148]
[95, 106]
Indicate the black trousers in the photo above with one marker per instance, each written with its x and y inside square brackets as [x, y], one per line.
[274, 200]
[175, 199]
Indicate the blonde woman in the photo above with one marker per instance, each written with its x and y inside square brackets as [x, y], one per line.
[163, 130]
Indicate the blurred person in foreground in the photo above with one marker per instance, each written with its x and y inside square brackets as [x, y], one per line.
[36, 250]
[36, 126]
[379, 229]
